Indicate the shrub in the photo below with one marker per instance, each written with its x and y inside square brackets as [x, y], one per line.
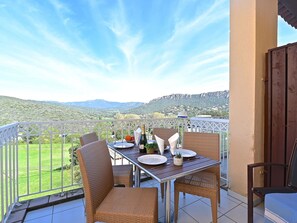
[74, 163]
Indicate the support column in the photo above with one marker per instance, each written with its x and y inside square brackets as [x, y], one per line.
[253, 30]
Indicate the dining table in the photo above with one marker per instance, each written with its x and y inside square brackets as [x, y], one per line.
[162, 169]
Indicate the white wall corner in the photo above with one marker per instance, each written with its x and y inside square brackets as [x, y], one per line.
[243, 199]
[237, 196]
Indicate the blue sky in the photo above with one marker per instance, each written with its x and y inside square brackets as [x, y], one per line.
[130, 50]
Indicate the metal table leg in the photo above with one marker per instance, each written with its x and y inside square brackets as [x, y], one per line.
[167, 201]
[137, 177]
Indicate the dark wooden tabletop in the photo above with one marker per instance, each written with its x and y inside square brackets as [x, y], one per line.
[168, 170]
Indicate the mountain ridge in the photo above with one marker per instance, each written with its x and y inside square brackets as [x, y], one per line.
[211, 103]
[194, 104]
[104, 104]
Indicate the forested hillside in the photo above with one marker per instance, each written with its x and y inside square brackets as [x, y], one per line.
[213, 103]
[14, 109]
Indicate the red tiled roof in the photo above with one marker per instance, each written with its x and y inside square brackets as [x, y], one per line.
[287, 9]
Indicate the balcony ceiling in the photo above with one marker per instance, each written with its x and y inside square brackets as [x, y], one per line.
[287, 9]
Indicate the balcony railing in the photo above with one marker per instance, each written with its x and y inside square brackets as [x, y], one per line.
[38, 158]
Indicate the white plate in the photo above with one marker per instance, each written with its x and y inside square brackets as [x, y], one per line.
[153, 159]
[186, 152]
[122, 145]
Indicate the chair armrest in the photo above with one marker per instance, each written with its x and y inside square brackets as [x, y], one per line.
[251, 166]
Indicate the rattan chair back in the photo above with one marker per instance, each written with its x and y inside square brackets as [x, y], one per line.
[97, 176]
[123, 174]
[88, 138]
[205, 183]
[204, 144]
[164, 133]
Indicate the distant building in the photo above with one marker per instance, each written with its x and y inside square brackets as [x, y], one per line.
[182, 114]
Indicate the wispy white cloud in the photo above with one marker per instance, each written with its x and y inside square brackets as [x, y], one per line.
[198, 65]
[184, 29]
[66, 21]
[127, 41]
[184, 52]
[107, 50]
[159, 70]
[42, 70]
[128, 46]
[60, 6]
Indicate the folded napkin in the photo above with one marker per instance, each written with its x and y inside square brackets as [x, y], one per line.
[160, 143]
[173, 143]
[137, 134]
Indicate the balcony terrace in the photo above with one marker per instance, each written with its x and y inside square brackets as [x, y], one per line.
[38, 159]
[192, 209]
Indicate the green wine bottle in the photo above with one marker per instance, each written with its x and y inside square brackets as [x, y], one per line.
[143, 140]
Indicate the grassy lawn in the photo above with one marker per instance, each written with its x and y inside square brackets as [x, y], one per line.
[39, 170]
[43, 168]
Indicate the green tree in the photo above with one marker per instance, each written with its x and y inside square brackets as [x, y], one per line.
[132, 116]
[158, 115]
[119, 116]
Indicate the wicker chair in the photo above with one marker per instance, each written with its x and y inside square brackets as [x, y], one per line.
[123, 174]
[106, 203]
[163, 133]
[291, 181]
[205, 183]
